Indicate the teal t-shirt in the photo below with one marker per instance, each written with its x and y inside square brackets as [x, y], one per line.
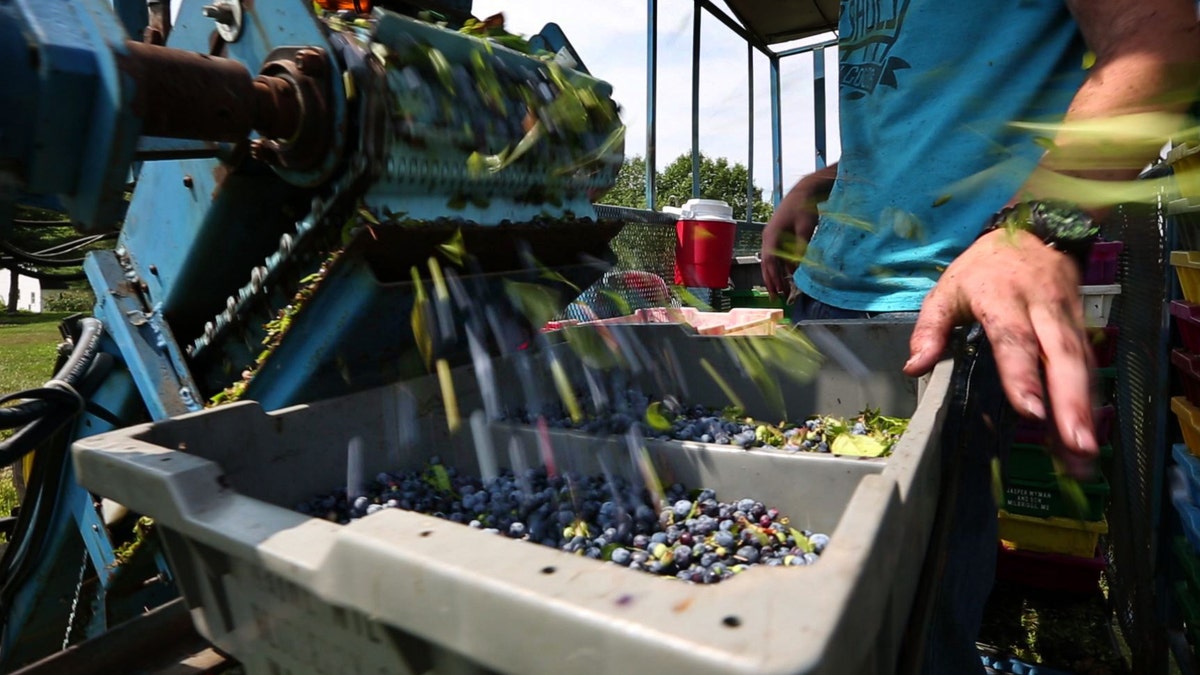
[929, 93]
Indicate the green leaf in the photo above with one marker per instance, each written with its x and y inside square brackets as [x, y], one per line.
[536, 302]
[565, 392]
[437, 477]
[1069, 487]
[419, 320]
[454, 248]
[802, 541]
[729, 392]
[441, 67]
[850, 445]
[997, 483]
[657, 418]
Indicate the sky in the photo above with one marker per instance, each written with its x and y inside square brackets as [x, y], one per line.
[611, 37]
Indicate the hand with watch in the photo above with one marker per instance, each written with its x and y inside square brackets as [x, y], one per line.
[1020, 281]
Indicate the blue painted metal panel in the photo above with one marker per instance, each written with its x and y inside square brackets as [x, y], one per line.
[819, 105]
[144, 340]
[696, 99]
[776, 136]
[651, 100]
[750, 134]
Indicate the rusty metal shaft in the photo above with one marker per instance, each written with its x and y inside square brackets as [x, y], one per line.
[182, 94]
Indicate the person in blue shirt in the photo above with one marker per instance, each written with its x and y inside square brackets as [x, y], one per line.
[949, 112]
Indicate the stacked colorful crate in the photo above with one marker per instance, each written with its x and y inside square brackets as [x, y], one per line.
[1048, 540]
[1185, 364]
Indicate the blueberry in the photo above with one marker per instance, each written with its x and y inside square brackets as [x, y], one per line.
[621, 556]
[819, 542]
[725, 539]
[682, 508]
[682, 556]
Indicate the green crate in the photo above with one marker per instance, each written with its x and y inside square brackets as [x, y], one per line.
[1042, 498]
[1032, 462]
[1188, 562]
[754, 298]
[1189, 610]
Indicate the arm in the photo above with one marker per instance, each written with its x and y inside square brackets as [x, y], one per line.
[791, 226]
[1025, 294]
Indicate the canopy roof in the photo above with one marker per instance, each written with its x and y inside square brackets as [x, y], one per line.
[775, 21]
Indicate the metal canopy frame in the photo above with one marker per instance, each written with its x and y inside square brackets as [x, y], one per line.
[755, 41]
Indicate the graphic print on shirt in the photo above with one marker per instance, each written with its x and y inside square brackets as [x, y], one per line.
[869, 30]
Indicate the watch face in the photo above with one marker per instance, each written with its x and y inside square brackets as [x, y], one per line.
[1063, 221]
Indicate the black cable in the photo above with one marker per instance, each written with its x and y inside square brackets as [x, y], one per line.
[23, 256]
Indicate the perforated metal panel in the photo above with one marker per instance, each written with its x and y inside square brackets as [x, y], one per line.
[1138, 464]
[647, 244]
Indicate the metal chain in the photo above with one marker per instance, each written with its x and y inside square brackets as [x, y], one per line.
[263, 279]
[75, 602]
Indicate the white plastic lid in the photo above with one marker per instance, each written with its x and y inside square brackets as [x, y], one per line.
[706, 209]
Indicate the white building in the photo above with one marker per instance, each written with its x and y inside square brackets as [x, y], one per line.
[29, 292]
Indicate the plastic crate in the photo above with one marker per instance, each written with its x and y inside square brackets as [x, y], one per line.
[1000, 663]
[1067, 536]
[1187, 270]
[1187, 319]
[1042, 497]
[1103, 340]
[1186, 215]
[1189, 518]
[1102, 263]
[740, 321]
[1187, 365]
[1036, 432]
[1189, 562]
[1032, 462]
[755, 298]
[1190, 465]
[281, 591]
[1185, 163]
[1189, 605]
[1050, 571]
[1189, 422]
[1097, 303]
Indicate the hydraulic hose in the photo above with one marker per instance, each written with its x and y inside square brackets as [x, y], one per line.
[48, 407]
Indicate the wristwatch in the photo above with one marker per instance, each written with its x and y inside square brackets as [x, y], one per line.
[1061, 225]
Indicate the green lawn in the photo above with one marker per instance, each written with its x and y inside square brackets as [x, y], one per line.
[28, 343]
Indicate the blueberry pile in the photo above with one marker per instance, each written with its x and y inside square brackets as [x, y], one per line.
[693, 536]
[668, 420]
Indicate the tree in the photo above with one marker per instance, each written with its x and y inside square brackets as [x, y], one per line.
[630, 187]
[718, 180]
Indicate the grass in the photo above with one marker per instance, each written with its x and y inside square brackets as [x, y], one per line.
[28, 344]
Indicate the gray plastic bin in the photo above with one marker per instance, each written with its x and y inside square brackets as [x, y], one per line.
[399, 592]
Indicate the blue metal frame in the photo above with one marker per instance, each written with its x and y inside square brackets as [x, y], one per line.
[696, 16]
[774, 58]
[158, 268]
[651, 100]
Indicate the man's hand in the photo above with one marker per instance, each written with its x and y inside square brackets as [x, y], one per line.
[790, 227]
[1026, 296]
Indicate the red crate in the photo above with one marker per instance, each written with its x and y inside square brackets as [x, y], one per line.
[1034, 432]
[1104, 344]
[1187, 318]
[1102, 263]
[1050, 571]
[1187, 365]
